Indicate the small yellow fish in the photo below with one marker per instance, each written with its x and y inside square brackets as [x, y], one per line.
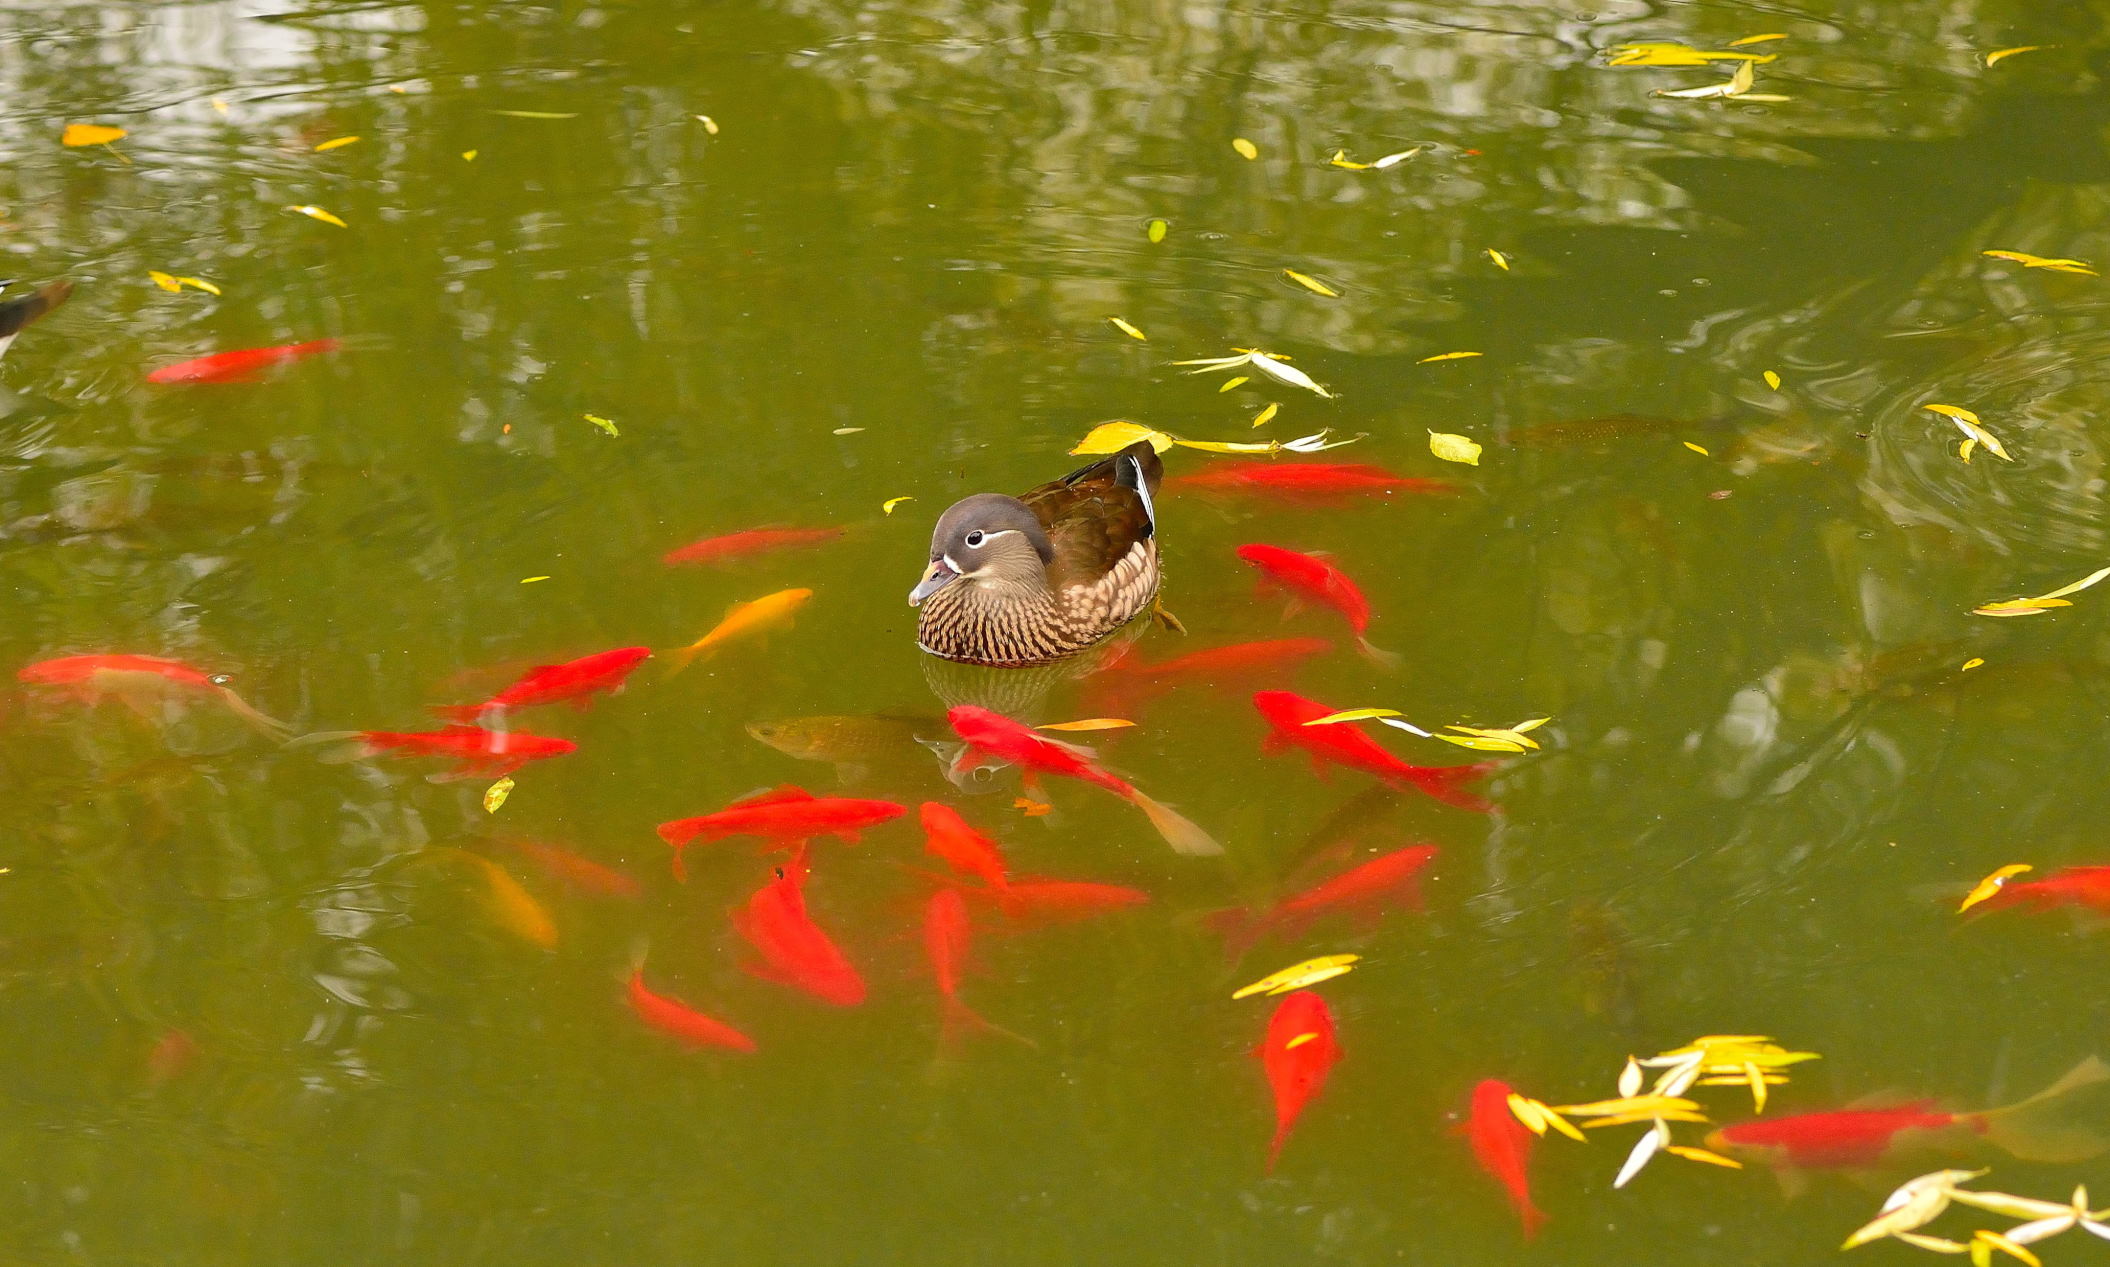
[743, 620]
[511, 905]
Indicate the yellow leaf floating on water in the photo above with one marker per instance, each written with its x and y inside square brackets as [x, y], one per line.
[1755, 39]
[337, 144]
[1492, 739]
[174, 284]
[1128, 329]
[1156, 231]
[1737, 85]
[1968, 423]
[2026, 260]
[1299, 975]
[79, 134]
[1983, 1242]
[1340, 159]
[220, 104]
[602, 423]
[1448, 356]
[1772, 380]
[1695, 448]
[1354, 714]
[1998, 56]
[468, 156]
[1970, 664]
[1273, 365]
[1265, 416]
[1112, 437]
[1246, 149]
[887, 507]
[1627, 1104]
[2031, 606]
[1992, 884]
[1454, 448]
[317, 213]
[845, 431]
[1299, 1041]
[1501, 260]
[538, 114]
[1392, 160]
[496, 794]
[1233, 384]
[530, 580]
[1088, 723]
[1667, 53]
[1312, 284]
[1537, 1118]
[710, 125]
[1031, 808]
[1690, 1153]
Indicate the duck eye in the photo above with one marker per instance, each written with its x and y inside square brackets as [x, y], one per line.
[974, 538]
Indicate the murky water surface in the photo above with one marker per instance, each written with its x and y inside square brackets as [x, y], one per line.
[258, 1007]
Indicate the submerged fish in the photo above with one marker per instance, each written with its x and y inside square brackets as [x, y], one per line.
[579, 872]
[1502, 1146]
[1126, 684]
[2040, 1128]
[793, 949]
[480, 753]
[1341, 743]
[948, 837]
[785, 817]
[753, 541]
[574, 680]
[139, 682]
[1368, 887]
[2071, 886]
[853, 744]
[1039, 900]
[743, 620]
[947, 932]
[1313, 579]
[678, 1020]
[511, 905]
[1297, 1054]
[1304, 481]
[239, 365]
[998, 736]
[1602, 951]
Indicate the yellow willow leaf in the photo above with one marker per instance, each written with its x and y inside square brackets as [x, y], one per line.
[1228, 446]
[2005, 1246]
[845, 431]
[1481, 743]
[1112, 437]
[1454, 448]
[198, 283]
[530, 580]
[1497, 733]
[1298, 1041]
[1448, 356]
[1968, 423]
[1755, 39]
[1690, 1153]
[496, 794]
[1629, 1119]
[1265, 416]
[1501, 260]
[1031, 808]
[1526, 1110]
[1695, 448]
[1992, 884]
[1970, 664]
[317, 213]
[1279, 368]
[1559, 1123]
[1740, 1080]
[602, 423]
[2027, 260]
[1629, 1104]
[1128, 329]
[1630, 1078]
[1667, 53]
[468, 156]
[1937, 1244]
[1246, 149]
[1353, 714]
[1156, 230]
[1391, 160]
[710, 125]
[1964, 447]
[538, 114]
[1762, 96]
[165, 281]
[1998, 56]
[1233, 384]
[1312, 284]
[2029, 606]
[1298, 975]
[887, 507]
[1088, 723]
[1772, 380]
[337, 144]
[1756, 1079]
[1530, 724]
[79, 134]
[1340, 159]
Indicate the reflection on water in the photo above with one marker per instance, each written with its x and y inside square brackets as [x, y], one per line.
[267, 1009]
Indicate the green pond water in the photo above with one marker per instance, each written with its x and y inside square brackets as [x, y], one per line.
[256, 1007]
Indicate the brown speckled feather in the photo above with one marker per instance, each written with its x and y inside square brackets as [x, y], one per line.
[1093, 521]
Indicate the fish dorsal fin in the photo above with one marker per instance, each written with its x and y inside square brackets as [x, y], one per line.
[774, 796]
[1887, 1099]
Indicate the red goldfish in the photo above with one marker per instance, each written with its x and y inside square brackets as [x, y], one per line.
[2037, 1129]
[1503, 1147]
[483, 754]
[1298, 1052]
[795, 952]
[947, 836]
[574, 680]
[139, 681]
[1343, 744]
[1125, 685]
[783, 816]
[673, 1017]
[996, 735]
[1044, 901]
[946, 931]
[580, 873]
[1370, 885]
[1304, 481]
[740, 545]
[2071, 886]
[239, 365]
[1311, 578]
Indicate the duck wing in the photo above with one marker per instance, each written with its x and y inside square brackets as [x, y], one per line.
[1095, 515]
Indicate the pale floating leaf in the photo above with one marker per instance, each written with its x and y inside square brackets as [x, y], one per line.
[1128, 329]
[603, 423]
[79, 134]
[1112, 437]
[1246, 149]
[1448, 356]
[1233, 383]
[2030, 606]
[1695, 448]
[1318, 442]
[1299, 975]
[710, 125]
[317, 213]
[496, 794]
[1310, 283]
[2000, 55]
[1276, 368]
[1265, 416]
[1996, 1241]
[1937, 1244]
[336, 144]
[845, 431]
[1481, 743]
[1630, 1079]
[887, 507]
[1526, 1111]
[1454, 448]
[1755, 39]
[538, 114]
[1088, 723]
[1229, 446]
[1392, 160]
[1645, 1148]
[1407, 726]
[1643, 1104]
[1992, 884]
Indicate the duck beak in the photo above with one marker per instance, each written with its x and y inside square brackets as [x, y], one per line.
[935, 577]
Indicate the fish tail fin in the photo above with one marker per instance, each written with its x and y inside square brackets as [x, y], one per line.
[1178, 831]
[679, 659]
[465, 714]
[681, 868]
[269, 727]
[1274, 1146]
[1388, 661]
[1240, 927]
[1531, 1216]
[1445, 783]
[959, 1019]
[2042, 1128]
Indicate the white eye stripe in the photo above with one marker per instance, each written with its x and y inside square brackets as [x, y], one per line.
[987, 537]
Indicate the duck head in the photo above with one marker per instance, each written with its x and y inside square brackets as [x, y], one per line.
[986, 539]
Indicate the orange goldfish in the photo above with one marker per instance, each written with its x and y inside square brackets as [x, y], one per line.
[947, 836]
[677, 1019]
[742, 620]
